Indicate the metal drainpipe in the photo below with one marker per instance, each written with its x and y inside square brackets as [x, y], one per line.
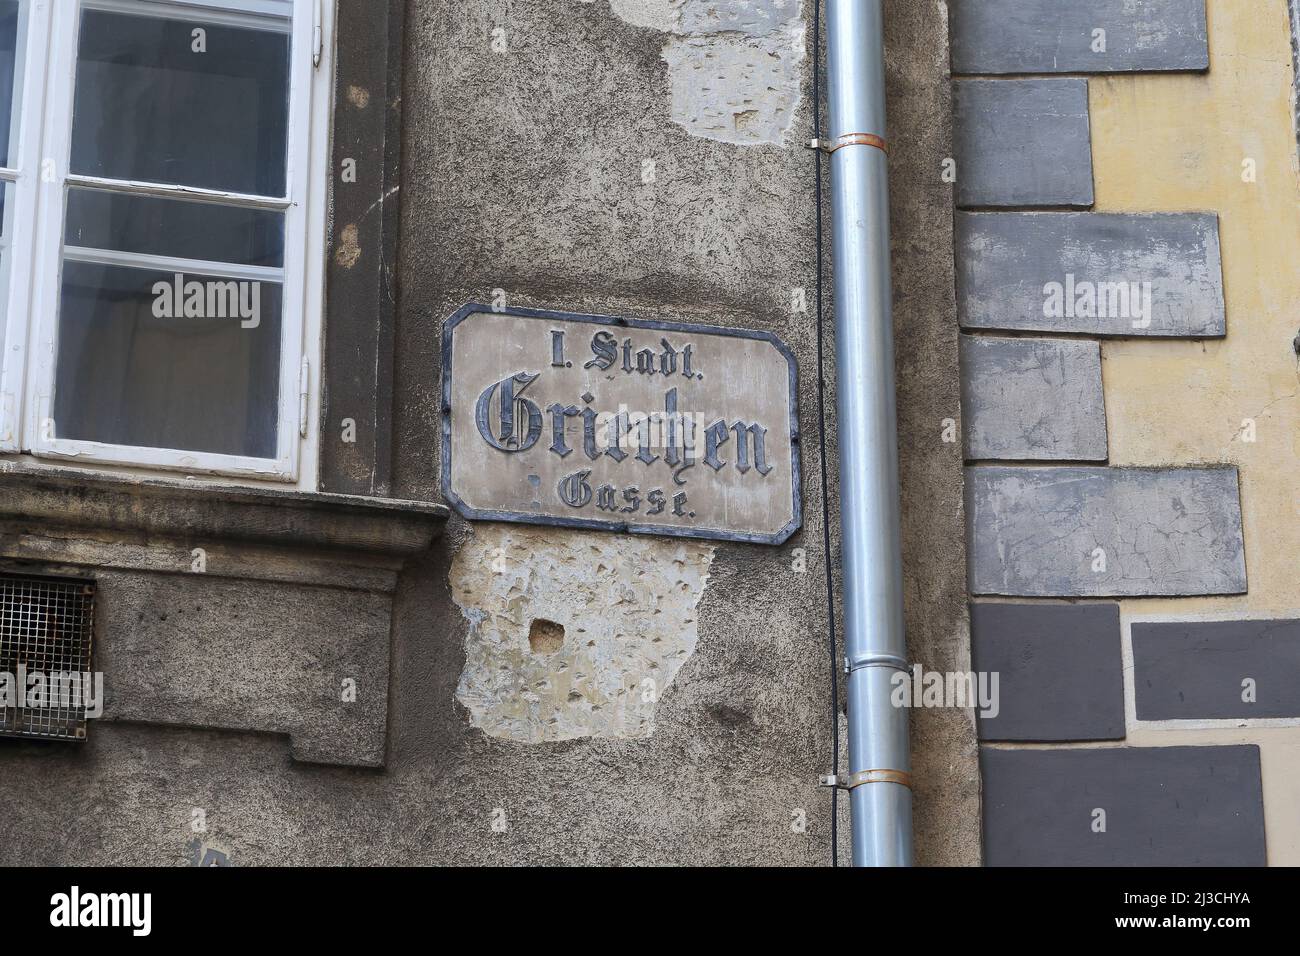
[874, 643]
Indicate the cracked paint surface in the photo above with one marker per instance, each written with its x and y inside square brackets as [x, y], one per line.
[734, 66]
[1103, 532]
[1035, 399]
[627, 609]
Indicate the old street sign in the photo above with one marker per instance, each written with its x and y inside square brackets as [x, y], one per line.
[598, 422]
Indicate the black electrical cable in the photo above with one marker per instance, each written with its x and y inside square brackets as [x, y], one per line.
[821, 434]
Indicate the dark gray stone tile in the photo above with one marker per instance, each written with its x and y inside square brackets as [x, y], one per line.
[1196, 669]
[1164, 806]
[1048, 36]
[1032, 399]
[1060, 670]
[1147, 274]
[1080, 531]
[1022, 142]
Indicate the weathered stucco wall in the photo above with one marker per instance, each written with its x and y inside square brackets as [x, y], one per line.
[563, 154]
[946, 790]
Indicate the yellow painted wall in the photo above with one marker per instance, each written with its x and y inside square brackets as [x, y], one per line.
[1178, 143]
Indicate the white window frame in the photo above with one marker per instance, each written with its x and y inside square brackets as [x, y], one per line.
[22, 179]
[27, 380]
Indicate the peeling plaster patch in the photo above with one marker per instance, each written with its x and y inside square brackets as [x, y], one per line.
[732, 88]
[656, 14]
[348, 253]
[753, 17]
[627, 609]
[359, 97]
[734, 66]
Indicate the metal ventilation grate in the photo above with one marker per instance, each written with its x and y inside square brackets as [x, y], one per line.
[46, 626]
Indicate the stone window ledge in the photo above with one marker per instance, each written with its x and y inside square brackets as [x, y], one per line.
[48, 500]
[235, 609]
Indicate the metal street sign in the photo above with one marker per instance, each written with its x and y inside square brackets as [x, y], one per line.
[591, 421]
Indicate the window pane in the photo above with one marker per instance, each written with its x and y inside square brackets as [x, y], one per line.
[157, 101]
[11, 76]
[169, 227]
[134, 370]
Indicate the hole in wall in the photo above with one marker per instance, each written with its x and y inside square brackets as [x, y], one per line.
[545, 637]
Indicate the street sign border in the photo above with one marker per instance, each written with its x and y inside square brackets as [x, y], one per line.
[523, 517]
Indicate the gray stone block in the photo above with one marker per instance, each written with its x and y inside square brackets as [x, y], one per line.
[1146, 274]
[1060, 670]
[1164, 806]
[1196, 669]
[1032, 399]
[1057, 36]
[1104, 532]
[1022, 142]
